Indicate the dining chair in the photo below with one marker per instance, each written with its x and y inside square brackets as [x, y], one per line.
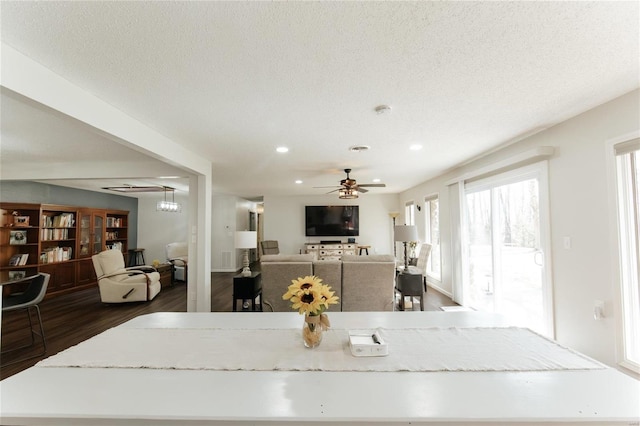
[270, 247]
[28, 299]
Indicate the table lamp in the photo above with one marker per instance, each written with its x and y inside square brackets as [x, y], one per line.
[246, 240]
[405, 234]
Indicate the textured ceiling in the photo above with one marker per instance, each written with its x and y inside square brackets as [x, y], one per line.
[233, 80]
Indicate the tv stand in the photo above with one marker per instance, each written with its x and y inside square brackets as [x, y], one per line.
[329, 251]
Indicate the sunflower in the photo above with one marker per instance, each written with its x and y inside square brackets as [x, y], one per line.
[301, 284]
[328, 297]
[310, 296]
[308, 301]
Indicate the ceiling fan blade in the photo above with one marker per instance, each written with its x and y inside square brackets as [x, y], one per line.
[361, 189]
[330, 192]
[332, 186]
[373, 185]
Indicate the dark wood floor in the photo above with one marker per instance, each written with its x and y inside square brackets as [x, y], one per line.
[73, 318]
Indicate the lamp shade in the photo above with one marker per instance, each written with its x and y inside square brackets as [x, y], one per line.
[405, 233]
[246, 239]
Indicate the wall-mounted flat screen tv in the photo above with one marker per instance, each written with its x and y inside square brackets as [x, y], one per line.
[331, 221]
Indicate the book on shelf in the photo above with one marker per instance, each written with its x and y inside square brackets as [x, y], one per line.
[56, 254]
[114, 222]
[23, 259]
[17, 237]
[54, 234]
[15, 260]
[62, 220]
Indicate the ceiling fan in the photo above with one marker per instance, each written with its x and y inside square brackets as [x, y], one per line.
[349, 188]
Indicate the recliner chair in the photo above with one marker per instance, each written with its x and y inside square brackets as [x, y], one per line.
[119, 284]
[178, 255]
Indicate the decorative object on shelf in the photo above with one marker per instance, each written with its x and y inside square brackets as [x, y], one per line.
[405, 234]
[246, 240]
[155, 263]
[309, 296]
[17, 237]
[17, 275]
[20, 221]
[169, 206]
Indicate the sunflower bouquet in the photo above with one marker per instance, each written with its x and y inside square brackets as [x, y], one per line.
[309, 296]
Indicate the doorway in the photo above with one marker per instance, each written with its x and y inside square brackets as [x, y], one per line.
[506, 238]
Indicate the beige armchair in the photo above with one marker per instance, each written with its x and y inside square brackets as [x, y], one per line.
[178, 255]
[277, 273]
[119, 284]
[368, 282]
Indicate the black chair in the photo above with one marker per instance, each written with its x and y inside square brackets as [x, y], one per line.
[29, 298]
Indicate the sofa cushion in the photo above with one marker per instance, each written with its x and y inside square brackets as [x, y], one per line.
[369, 258]
[330, 271]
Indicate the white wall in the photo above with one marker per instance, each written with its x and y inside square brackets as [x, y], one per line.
[578, 197]
[222, 233]
[157, 229]
[284, 220]
[230, 214]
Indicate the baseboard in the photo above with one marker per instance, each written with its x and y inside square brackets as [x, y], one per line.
[224, 270]
[440, 289]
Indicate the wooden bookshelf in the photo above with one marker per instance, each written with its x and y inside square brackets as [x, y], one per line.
[59, 240]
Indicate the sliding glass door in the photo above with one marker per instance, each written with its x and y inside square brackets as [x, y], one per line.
[505, 238]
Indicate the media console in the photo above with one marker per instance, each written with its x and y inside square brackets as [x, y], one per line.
[329, 251]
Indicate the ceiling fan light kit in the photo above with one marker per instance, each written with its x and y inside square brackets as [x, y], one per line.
[349, 188]
[347, 194]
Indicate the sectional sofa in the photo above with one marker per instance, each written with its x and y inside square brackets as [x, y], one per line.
[363, 283]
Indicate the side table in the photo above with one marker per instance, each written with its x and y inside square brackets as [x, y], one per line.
[410, 285]
[166, 274]
[247, 288]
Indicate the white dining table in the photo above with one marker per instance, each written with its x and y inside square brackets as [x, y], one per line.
[46, 395]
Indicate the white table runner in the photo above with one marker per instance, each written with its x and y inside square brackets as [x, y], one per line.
[426, 349]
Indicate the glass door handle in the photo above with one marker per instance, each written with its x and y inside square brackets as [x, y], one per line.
[538, 258]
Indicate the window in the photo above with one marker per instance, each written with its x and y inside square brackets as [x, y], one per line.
[628, 207]
[409, 213]
[432, 231]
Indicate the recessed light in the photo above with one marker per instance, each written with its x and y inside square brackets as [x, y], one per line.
[359, 148]
[282, 149]
[415, 147]
[382, 109]
[298, 181]
[376, 180]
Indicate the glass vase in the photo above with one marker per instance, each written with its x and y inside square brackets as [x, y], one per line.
[312, 330]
